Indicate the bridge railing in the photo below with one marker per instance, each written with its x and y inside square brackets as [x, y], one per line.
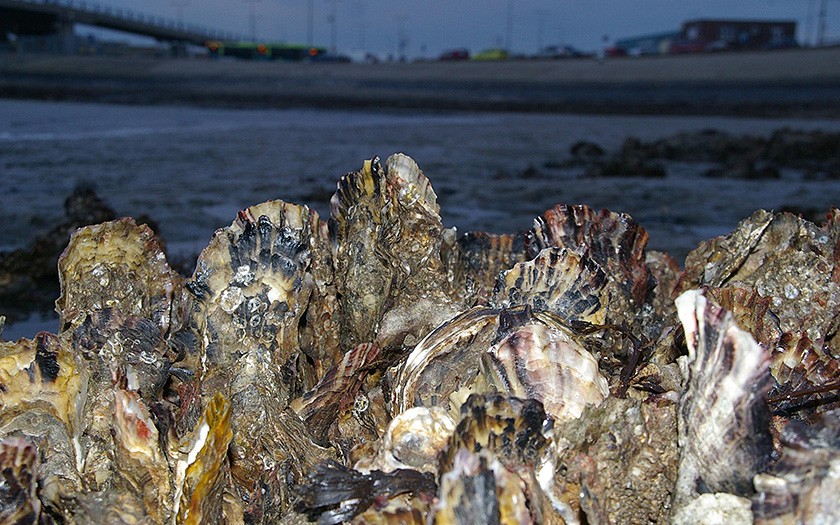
[95, 8]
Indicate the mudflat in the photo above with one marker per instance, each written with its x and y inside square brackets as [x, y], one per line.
[802, 82]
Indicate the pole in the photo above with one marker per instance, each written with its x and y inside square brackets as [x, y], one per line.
[509, 28]
[332, 19]
[822, 23]
[252, 19]
[310, 24]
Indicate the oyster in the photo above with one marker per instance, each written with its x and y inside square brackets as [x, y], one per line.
[119, 265]
[612, 242]
[252, 288]
[139, 460]
[724, 434]
[19, 501]
[541, 359]
[445, 362]
[804, 483]
[337, 389]
[487, 473]
[386, 235]
[41, 401]
[477, 259]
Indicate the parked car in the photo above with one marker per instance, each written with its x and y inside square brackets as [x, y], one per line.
[455, 54]
[492, 54]
[562, 51]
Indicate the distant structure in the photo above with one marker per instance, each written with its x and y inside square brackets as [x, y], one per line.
[712, 35]
[740, 34]
[47, 25]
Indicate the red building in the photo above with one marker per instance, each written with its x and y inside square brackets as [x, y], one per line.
[739, 34]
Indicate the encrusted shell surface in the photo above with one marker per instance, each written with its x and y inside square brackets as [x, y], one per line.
[386, 236]
[253, 287]
[118, 265]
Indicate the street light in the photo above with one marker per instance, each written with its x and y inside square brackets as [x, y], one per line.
[332, 20]
[252, 21]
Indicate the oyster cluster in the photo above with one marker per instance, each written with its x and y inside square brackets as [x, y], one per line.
[377, 367]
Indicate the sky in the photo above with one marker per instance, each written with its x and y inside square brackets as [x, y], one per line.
[429, 27]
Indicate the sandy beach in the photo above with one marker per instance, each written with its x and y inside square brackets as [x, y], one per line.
[803, 82]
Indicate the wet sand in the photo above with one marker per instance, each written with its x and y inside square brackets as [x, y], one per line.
[802, 82]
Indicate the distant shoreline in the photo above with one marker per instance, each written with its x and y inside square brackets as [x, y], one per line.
[802, 83]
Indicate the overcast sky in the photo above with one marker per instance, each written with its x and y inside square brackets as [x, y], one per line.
[431, 26]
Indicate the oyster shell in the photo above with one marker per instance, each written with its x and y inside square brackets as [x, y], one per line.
[615, 243]
[118, 265]
[804, 483]
[19, 501]
[253, 287]
[41, 401]
[337, 389]
[139, 460]
[445, 362]
[724, 434]
[487, 473]
[476, 260]
[541, 359]
[386, 235]
[199, 478]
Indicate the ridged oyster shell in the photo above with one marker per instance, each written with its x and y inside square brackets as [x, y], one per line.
[516, 351]
[253, 287]
[386, 236]
[724, 434]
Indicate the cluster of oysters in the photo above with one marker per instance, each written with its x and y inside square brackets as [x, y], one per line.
[377, 367]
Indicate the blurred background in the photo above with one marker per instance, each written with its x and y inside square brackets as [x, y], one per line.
[687, 116]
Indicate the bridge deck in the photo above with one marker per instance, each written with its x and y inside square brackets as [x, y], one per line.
[44, 16]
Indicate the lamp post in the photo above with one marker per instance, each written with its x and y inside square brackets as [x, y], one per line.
[310, 24]
[252, 20]
[332, 19]
[509, 27]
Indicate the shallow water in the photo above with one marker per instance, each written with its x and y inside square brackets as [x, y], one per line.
[191, 169]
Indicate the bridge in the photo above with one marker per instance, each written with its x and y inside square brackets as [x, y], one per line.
[47, 17]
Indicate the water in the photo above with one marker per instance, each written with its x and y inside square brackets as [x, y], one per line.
[191, 169]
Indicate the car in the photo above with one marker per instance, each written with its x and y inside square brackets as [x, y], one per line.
[492, 54]
[562, 51]
[455, 54]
